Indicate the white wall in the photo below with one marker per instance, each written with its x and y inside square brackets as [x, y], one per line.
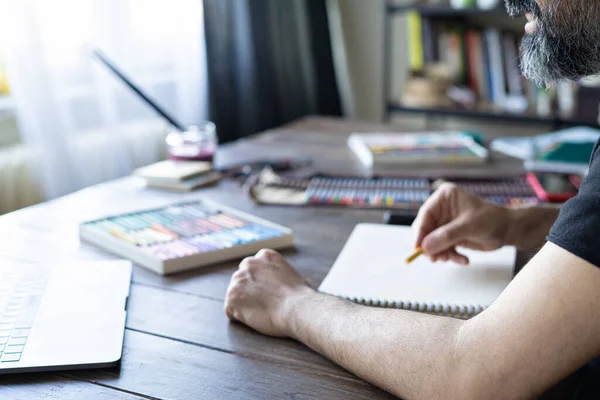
[362, 24]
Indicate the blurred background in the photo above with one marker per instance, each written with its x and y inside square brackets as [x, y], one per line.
[250, 65]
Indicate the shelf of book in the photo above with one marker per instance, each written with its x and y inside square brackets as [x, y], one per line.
[441, 11]
[481, 57]
[491, 116]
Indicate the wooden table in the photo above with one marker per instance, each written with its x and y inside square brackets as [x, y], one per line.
[178, 343]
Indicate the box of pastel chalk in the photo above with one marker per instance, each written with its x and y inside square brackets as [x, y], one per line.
[185, 236]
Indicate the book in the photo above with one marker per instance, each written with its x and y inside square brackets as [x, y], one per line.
[566, 98]
[370, 270]
[429, 37]
[511, 60]
[548, 147]
[496, 68]
[395, 149]
[170, 170]
[443, 44]
[178, 175]
[415, 41]
[487, 68]
[575, 168]
[479, 66]
[185, 185]
[456, 55]
[472, 61]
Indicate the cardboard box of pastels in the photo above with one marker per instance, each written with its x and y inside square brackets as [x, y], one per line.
[184, 236]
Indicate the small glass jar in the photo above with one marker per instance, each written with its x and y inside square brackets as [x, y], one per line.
[197, 143]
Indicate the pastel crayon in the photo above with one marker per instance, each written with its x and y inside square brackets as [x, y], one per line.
[247, 235]
[238, 222]
[163, 229]
[136, 221]
[123, 236]
[187, 228]
[182, 248]
[201, 244]
[149, 218]
[194, 211]
[231, 237]
[216, 219]
[216, 240]
[122, 223]
[209, 225]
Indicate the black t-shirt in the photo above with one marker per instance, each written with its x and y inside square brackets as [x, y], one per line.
[577, 228]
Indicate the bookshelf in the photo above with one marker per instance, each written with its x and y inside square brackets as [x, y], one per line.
[442, 11]
[528, 119]
[451, 14]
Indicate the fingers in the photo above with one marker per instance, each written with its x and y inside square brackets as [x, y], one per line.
[457, 258]
[446, 237]
[426, 219]
[431, 213]
[268, 255]
[450, 255]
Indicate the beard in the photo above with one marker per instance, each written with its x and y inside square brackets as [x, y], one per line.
[566, 43]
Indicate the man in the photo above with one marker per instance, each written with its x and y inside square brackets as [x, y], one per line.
[546, 324]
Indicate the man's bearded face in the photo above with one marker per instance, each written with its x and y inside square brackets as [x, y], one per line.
[562, 39]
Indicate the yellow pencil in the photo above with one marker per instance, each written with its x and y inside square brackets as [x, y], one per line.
[418, 252]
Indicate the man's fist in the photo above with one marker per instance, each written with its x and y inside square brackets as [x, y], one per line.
[261, 292]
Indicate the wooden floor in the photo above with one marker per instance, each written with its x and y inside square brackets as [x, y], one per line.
[178, 342]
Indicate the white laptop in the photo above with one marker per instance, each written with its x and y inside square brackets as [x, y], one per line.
[65, 317]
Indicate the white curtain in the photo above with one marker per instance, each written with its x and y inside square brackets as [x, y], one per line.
[84, 126]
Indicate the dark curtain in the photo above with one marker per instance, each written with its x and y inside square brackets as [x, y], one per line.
[269, 62]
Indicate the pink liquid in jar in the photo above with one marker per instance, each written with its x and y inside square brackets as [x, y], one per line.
[197, 143]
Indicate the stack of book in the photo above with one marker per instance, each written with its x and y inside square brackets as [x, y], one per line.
[178, 175]
[566, 151]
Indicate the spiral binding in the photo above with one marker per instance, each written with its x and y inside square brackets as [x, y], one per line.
[459, 310]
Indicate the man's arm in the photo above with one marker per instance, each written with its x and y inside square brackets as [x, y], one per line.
[543, 327]
[529, 225]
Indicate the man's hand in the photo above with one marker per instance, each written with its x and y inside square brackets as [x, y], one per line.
[452, 217]
[261, 292]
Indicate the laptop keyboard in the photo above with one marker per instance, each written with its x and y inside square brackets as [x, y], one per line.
[21, 293]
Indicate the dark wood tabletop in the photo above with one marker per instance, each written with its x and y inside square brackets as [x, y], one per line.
[178, 342]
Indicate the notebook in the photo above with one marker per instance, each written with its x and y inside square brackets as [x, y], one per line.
[371, 270]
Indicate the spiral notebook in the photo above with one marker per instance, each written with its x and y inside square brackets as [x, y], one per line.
[371, 270]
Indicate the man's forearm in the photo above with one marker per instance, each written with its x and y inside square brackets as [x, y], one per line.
[409, 354]
[529, 226]
[501, 353]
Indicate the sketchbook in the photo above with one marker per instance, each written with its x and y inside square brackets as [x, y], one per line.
[371, 270]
